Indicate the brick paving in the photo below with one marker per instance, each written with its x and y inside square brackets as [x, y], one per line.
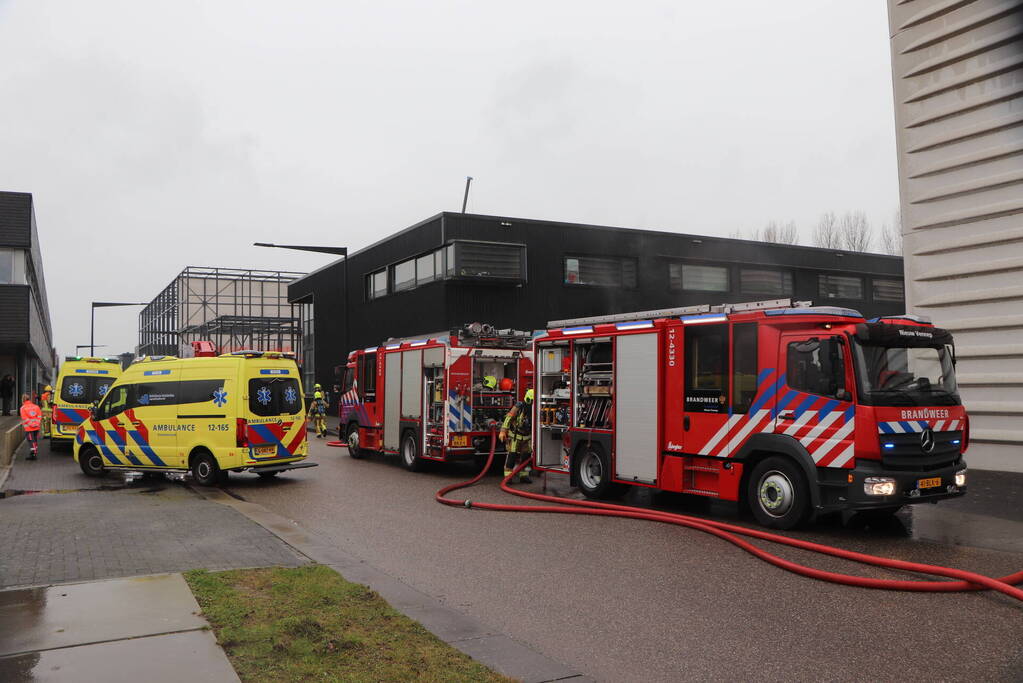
[148, 529]
[52, 470]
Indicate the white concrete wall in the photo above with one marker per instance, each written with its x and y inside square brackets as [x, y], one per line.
[957, 70]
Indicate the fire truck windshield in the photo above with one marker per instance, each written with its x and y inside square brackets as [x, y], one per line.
[901, 375]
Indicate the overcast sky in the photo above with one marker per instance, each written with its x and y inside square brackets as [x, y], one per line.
[155, 135]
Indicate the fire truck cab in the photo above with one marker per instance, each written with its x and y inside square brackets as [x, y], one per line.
[430, 398]
[793, 409]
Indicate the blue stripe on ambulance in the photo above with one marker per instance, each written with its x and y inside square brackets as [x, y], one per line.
[146, 449]
[263, 431]
[107, 453]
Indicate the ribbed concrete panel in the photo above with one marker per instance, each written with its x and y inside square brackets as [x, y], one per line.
[957, 69]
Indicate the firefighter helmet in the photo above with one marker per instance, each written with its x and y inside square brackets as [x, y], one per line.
[507, 384]
[47, 388]
[489, 382]
[318, 394]
[528, 398]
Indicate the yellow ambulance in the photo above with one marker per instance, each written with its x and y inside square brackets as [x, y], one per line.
[234, 412]
[82, 381]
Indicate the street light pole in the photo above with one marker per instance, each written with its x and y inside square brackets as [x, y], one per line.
[337, 251]
[92, 325]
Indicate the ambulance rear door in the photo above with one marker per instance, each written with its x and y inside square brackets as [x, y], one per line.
[276, 411]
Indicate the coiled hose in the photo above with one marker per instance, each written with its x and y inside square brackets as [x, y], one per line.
[963, 580]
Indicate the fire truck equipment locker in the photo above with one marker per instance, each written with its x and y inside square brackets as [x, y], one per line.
[635, 406]
[412, 384]
[392, 400]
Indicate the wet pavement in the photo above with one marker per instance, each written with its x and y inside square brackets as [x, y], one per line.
[150, 630]
[628, 600]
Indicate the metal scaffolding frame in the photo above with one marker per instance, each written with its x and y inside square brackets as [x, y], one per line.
[232, 307]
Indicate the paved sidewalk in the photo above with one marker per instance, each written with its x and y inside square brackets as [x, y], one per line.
[52, 470]
[150, 631]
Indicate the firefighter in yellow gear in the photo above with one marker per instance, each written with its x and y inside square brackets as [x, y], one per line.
[318, 413]
[46, 401]
[516, 434]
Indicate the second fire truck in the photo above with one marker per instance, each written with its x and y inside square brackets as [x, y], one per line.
[794, 409]
[435, 397]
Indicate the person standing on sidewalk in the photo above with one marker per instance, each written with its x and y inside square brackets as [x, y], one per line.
[46, 405]
[7, 393]
[31, 419]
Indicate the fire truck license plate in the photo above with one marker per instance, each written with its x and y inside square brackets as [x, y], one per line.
[459, 441]
[929, 483]
[265, 450]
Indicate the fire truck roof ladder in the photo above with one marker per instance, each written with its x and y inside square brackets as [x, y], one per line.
[675, 312]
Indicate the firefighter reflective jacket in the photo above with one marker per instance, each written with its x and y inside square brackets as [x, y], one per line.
[517, 421]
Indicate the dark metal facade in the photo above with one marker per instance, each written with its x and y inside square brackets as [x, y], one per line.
[234, 308]
[543, 294]
[26, 337]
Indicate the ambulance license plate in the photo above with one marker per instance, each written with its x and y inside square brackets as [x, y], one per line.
[264, 450]
[929, 483]
[459, 441]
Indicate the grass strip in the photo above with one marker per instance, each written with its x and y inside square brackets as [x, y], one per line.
[309, 624]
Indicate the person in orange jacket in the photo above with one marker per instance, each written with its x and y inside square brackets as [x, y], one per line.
[31, 420]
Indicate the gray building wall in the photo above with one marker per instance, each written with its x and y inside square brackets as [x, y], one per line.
[958, 81]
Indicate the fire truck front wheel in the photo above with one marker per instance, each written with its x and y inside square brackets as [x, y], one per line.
[778, 493]
[352, 439]
[410, 453]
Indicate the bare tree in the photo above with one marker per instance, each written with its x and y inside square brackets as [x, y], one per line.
[856, 231]
[826, 233]
[779, 233]
[891, 235]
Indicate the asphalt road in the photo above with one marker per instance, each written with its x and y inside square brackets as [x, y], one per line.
[627, 600]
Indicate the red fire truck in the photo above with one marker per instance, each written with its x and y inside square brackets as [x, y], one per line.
[793, 409]
[432, 398]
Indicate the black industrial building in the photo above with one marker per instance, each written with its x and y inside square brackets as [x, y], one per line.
[455, 268]
[26, 338]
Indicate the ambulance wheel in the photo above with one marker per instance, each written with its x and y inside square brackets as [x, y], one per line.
[410, 453]
[593, 472]
[352, 439]
[206, 471]
[91, 462]
[778, 493]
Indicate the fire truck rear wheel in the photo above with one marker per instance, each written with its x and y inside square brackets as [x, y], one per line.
[778, 493]
[410, 453]
[352, 439]
[593, 472]
[90, 461]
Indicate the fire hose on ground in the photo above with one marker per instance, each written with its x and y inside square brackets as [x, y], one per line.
[963, 580]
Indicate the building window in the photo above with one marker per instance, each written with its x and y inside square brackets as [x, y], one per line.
[376, 284]
[6, 266]
[840, 287]
[698, 278]
[600, 271]
[404, 275]
[426, 270]
[308, 357]
[765, 282]
[449, 252]
[889, 290]
[488, 261]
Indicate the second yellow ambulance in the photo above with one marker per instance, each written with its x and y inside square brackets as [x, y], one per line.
[234, 412]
